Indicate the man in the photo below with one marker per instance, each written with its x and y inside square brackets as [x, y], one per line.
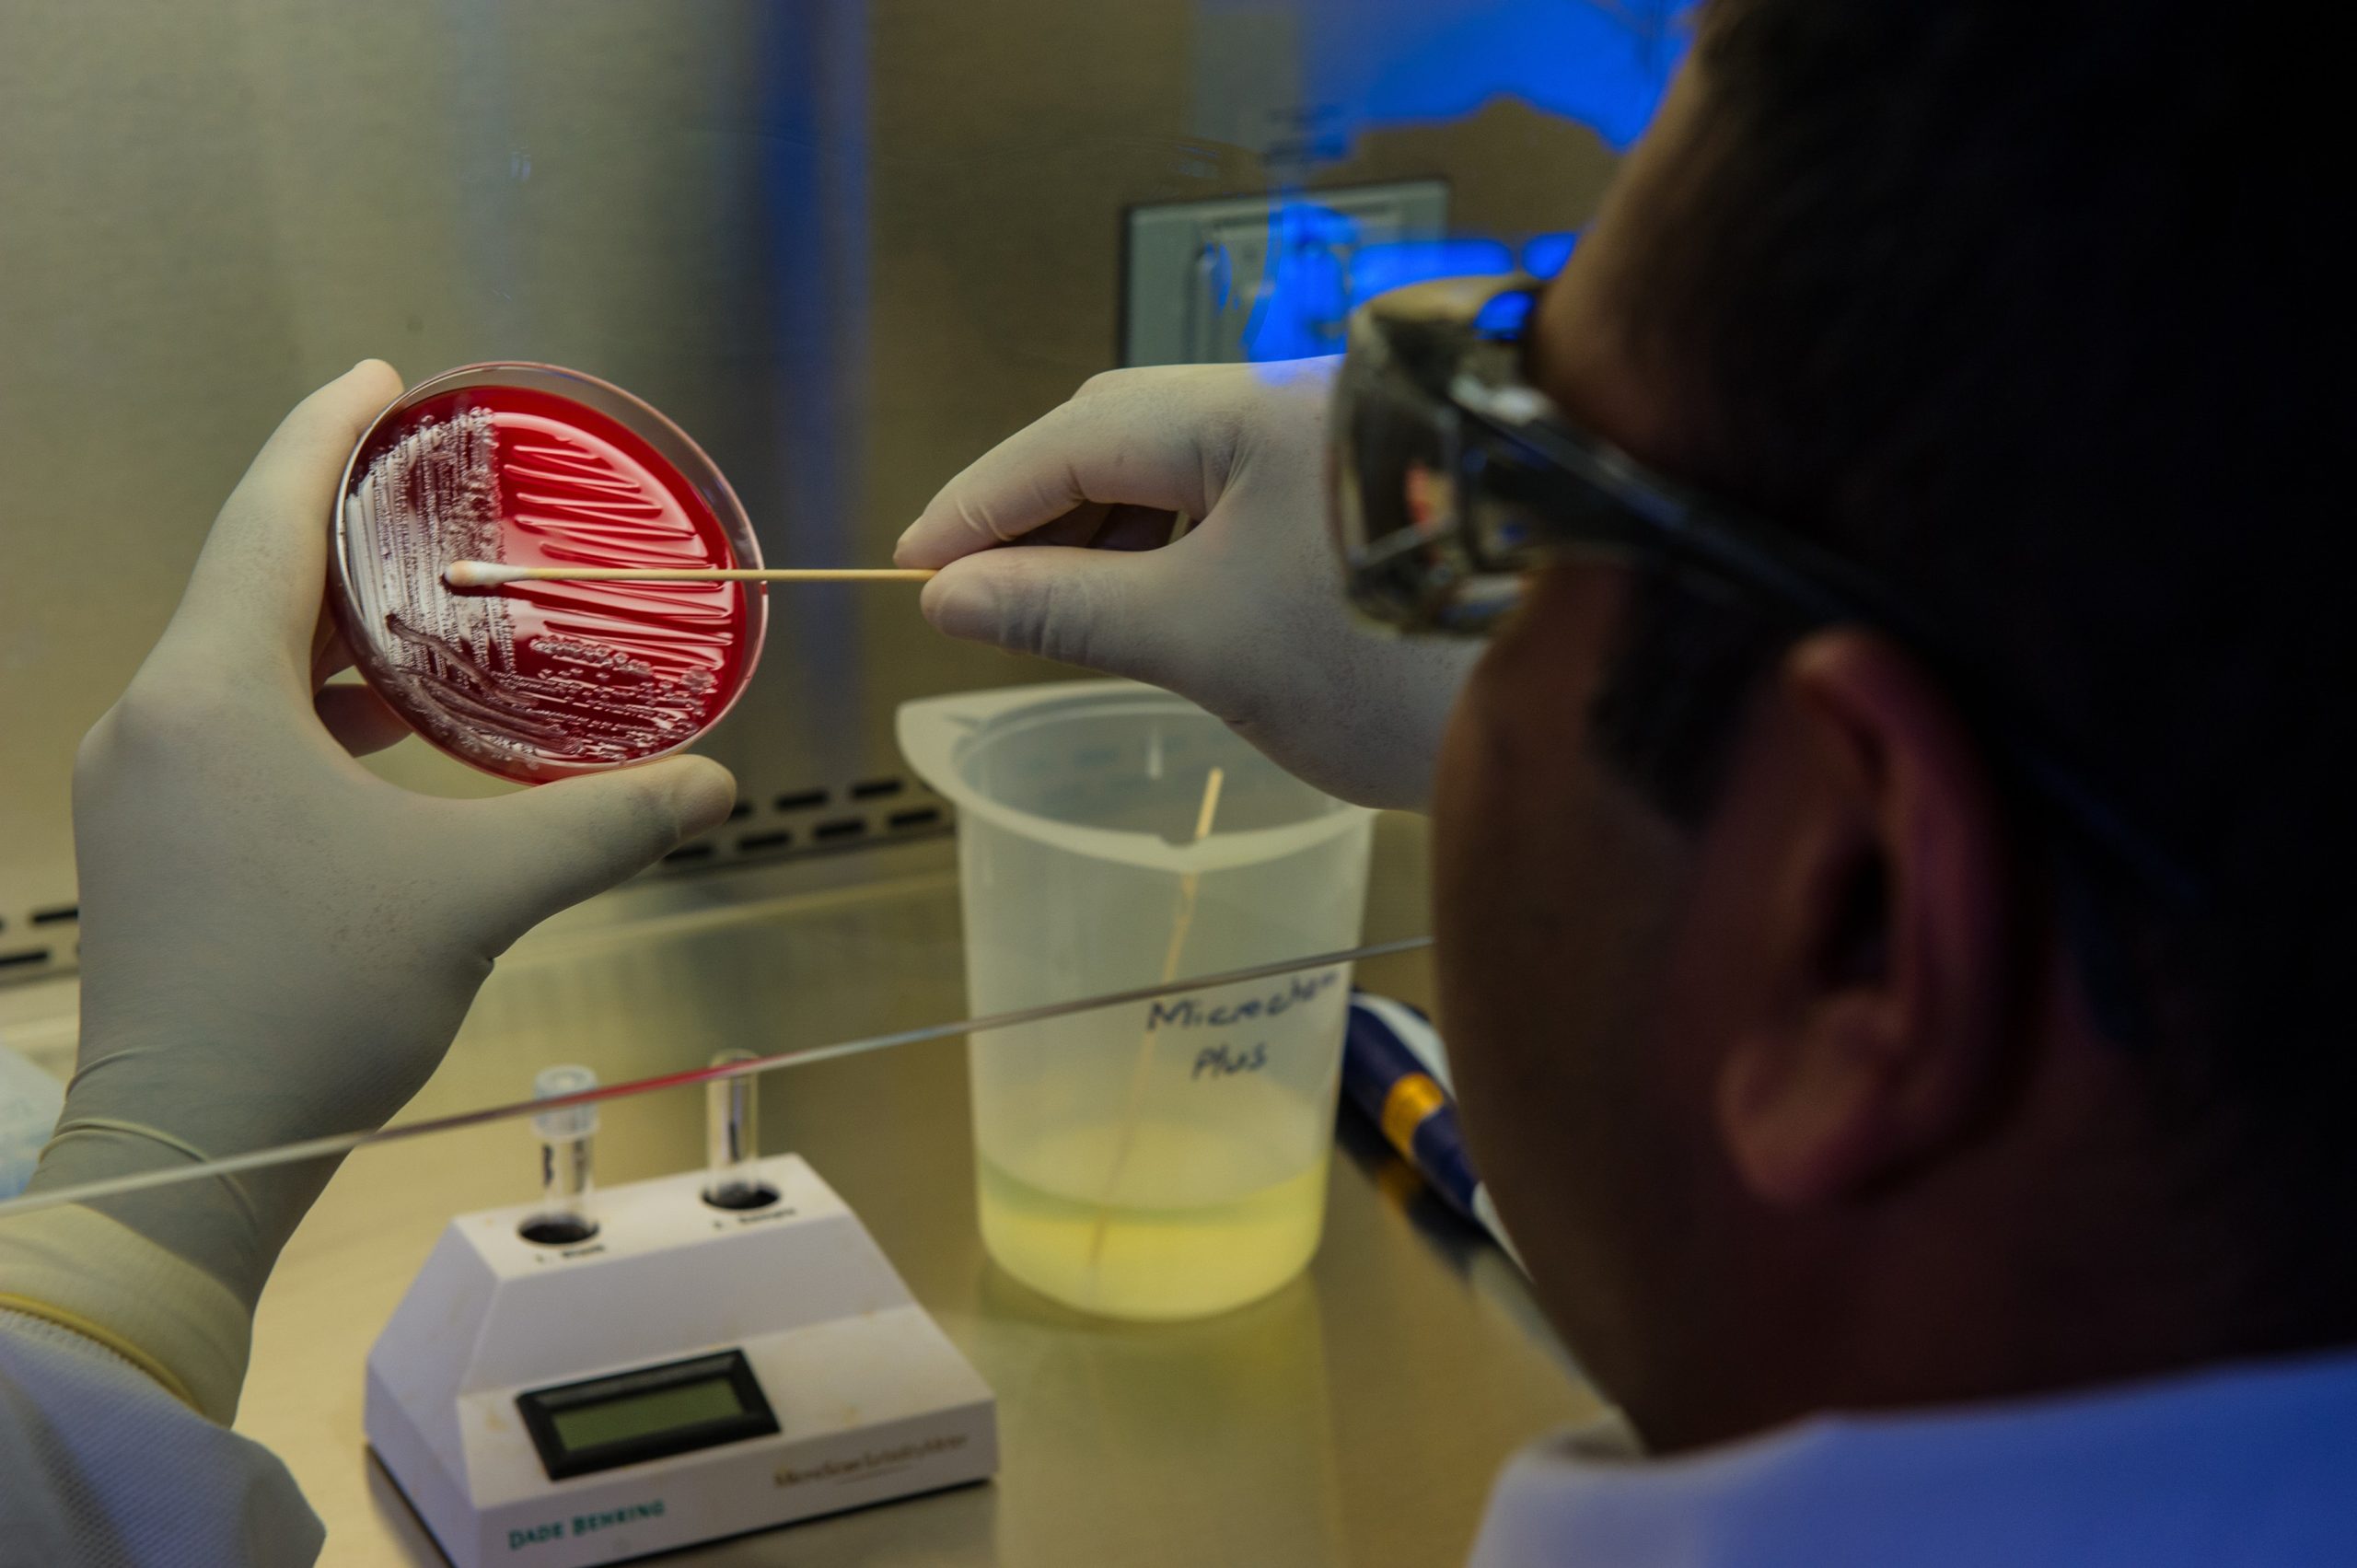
[1882, 861]
[1883, 950]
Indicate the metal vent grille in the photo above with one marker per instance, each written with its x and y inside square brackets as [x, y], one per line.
[772, 824]
[817, 820]
[38, 942]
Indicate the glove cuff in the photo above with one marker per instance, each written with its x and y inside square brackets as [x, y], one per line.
[77, 1268]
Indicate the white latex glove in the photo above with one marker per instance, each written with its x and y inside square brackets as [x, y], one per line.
[277, 945]
[1244, 615]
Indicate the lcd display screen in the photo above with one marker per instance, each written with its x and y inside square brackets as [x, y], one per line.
[643, 1415]
[649, 1412]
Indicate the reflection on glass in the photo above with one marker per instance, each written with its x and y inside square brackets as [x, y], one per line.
[1245, 1394]
[563, 1109]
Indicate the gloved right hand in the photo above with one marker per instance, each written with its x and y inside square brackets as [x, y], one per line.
[1244, 615]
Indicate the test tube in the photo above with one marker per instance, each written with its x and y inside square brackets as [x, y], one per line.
[567, 1166]
[732, 1138]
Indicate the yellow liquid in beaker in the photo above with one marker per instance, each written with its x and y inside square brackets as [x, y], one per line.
[1160, 1259]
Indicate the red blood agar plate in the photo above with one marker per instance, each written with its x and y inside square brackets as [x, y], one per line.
[531, 465]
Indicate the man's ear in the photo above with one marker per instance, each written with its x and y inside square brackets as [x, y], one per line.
[1891, 881]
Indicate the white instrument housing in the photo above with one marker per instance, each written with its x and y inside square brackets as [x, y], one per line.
[869, 1400]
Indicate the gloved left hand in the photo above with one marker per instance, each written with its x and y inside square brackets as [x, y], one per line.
[276, 943]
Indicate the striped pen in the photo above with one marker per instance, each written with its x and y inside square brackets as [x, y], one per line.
[1393, 1067]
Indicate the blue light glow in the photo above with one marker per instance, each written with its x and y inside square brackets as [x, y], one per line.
[1374, 63]
[1378, 268]
[1505, 315]
[1305, 291]
[1602, 62]
[1543, 255]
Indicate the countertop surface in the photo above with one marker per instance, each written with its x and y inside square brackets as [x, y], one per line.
[1355, 1417]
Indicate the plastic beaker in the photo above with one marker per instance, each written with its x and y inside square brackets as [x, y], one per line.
[1164, 1159]
[535, 466]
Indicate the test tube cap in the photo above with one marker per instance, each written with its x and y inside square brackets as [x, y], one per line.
[573, 1120]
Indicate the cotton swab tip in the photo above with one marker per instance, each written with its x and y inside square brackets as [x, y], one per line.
[480, 574]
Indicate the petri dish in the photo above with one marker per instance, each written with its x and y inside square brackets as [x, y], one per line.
[532, 465]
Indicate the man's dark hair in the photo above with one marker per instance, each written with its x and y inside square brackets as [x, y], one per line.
[2038, 310]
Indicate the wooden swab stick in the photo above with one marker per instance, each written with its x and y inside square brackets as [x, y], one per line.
[1142, 1072]
[490, 575]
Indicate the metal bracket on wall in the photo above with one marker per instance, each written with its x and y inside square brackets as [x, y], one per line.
[1259, 277]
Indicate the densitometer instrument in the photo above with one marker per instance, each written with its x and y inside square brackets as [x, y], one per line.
[602, 1375]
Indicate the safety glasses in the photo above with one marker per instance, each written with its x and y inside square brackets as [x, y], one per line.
[1453, 477]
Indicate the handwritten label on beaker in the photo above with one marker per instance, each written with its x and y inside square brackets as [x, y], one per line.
[1219, 1062]
[1192, 1013]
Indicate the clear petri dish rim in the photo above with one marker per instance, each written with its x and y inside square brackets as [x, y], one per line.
[671, 443]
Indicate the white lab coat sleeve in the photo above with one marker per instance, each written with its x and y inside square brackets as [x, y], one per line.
[102, 1467]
